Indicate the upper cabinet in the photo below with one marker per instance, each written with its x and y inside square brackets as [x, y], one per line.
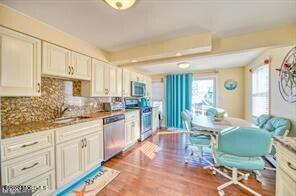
[148, 87]
[81, 66]
[126, 83]
[106, 81]
[58, 61]
[20, 64]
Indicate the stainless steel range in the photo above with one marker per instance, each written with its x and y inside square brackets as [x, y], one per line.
[145, 116]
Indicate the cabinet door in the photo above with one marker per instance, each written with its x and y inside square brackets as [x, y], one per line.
[285, 186]
[98, 78]
[69, 161]
[126, 83]
[81, 65]
[20, 66]
[136, 129]
[56, 60]
[94, 150]
[119, 82]
[148, 87]
[128, 133]
[112, 88]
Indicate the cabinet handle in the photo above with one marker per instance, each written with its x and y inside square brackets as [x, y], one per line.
[69, 72]
[25, 168]
[72, 70]
[38, 87]
[82, 141]
[85, 142]
[291, 166]
[26, 145]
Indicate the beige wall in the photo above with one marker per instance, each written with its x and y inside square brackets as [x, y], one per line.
[231, 101]
[15, 20]
[278, 106]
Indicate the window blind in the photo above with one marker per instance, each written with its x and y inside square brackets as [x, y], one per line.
[260, 91]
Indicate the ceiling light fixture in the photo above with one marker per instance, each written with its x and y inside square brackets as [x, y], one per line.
[120, 4]
[178, 54]
[134, 61]
[183, 65]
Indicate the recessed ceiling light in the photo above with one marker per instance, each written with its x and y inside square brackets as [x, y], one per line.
[120, 4]
[134, 61]
[178, 54]
[183, 65]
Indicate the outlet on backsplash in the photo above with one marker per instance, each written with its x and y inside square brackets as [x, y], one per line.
[55, 94]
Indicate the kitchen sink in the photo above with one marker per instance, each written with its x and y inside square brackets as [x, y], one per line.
[70, 119]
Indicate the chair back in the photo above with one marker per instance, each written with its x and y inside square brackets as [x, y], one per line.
[186, 118]
[244, 141]
[278, 126]
[262, 120]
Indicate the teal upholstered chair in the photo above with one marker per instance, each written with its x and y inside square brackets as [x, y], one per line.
[196, 138]
[262, 120]
[241, 148]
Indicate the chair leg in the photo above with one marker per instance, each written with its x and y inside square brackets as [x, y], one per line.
[234, 180]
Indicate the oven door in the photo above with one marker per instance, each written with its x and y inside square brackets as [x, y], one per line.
[138, 89]
[146, 124]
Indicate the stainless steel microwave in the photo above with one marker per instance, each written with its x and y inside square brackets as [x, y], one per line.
[138, 89]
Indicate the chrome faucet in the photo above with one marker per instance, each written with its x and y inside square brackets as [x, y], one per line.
[62, 110]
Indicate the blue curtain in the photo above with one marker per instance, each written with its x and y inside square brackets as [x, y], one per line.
[178, 98]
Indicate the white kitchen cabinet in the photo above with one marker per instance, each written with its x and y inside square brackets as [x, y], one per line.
[94, 150]
[132, 128]
[81, 66]
[126, 83]
[119, 82]
[112, 80]
[61, 62]
[79, 148]
[69, 161]
[155, 119]
[20, 67]
[56, 61]
[45, 180]
[148, 87]
[104, 82]
[285, 171]
[285, 186]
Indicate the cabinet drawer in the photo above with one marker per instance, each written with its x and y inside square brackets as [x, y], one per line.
[45, 180]
[132, 115]
[77, 130]
[18, 170]
[21, 145]
[286, 161]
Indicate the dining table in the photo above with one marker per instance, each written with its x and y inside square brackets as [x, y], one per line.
[209, 124]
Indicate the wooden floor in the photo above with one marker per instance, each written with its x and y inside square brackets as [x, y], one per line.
[164, 172]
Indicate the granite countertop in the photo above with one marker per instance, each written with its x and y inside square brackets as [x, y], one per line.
[288, 142]
[33, 127]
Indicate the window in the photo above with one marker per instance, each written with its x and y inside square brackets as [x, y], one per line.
[203, 94]
[260, 91]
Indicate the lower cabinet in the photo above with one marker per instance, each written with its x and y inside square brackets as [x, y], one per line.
[70, 161]
[44, 180]
[132, 129]
[285, 186]
[77, 156]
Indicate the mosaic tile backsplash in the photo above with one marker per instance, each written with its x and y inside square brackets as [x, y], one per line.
[54, 94]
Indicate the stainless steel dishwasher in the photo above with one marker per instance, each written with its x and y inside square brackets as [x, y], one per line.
[114, 136]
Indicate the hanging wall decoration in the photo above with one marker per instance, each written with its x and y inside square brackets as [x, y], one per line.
[230, 84]
[287, 77]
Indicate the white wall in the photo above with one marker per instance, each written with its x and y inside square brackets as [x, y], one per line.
[279, 107]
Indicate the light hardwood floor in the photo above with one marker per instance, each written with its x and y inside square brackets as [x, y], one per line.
[165, 173]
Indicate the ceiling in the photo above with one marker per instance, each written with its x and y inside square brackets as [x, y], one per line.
[156, 20]
[220, 61]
